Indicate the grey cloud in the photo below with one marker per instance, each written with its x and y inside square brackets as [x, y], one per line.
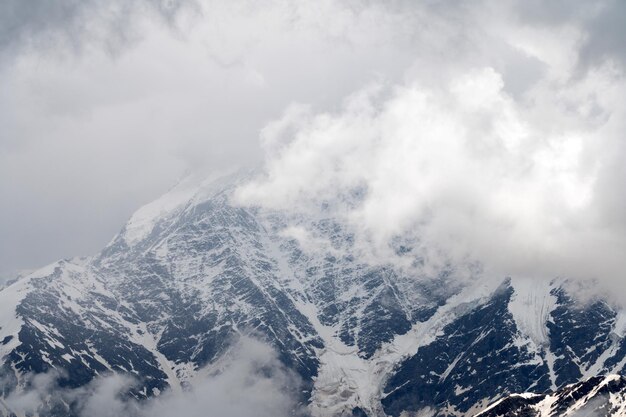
[88, 137]
[601, 21]
[524, 181]
[606, 34]
[250, 381]
[49, 24]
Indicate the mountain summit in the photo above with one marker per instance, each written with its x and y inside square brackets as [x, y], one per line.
[192, 273]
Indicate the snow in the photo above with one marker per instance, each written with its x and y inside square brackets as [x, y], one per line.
[597, 367]
[191, 189]
[531, 305]
[346, 380]
[10, 322]
[459, 390]
[10, 297]
[620, 323]
[550, 359]
[142, 222]
[493, 405]
[142, 336]
[94, 353]
[544, 408]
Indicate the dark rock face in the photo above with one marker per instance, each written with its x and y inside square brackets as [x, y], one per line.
[474, 357]
[173, 292]
[73, 344]
[598, 396]
[569, 323]
[481, 355]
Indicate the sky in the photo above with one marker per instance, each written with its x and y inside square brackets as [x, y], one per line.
[485, 130]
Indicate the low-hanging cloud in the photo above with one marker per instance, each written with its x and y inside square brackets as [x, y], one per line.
[92, 132]
[467, 165]
[252, 382]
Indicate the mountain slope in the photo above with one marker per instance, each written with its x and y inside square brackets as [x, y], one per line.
[191, 272]
[598, 396]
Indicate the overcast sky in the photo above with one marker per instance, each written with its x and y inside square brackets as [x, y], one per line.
[494, 126]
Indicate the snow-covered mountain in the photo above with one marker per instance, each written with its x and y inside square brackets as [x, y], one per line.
[595, 397]
[191, 273]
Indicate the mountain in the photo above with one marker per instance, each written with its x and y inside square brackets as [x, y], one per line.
[191, 272]
[597, 396]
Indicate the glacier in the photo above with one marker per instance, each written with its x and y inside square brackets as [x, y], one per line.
[191, 273]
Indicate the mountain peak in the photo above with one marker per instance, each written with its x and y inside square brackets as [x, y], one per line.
[192, 273]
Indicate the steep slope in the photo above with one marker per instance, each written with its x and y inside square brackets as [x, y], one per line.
[488, 351]
[598, 397]
[191, 272]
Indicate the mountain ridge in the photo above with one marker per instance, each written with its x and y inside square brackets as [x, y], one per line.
[595, 396]
[191, 272]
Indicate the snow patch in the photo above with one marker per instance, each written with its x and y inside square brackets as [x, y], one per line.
[192, 189]
[10, 297]
[10, 322]
[620, 323]
[142, 222]
[346, 380]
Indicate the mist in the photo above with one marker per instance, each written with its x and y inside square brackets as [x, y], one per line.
[249, 381]
[467, 161]
[487, 131]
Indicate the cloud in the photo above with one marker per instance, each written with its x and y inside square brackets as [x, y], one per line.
[28, 401]
[49, 26]
[599, 21]
[523, 181]
[103, 106]
[250, 382]
[254, 383]
[89, 135]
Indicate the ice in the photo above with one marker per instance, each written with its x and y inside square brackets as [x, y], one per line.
[531, 305]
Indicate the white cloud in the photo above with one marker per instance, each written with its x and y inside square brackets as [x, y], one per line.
[521, 183]
[88, 135]
[253, 383]
[491, 127]
[250, 382]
